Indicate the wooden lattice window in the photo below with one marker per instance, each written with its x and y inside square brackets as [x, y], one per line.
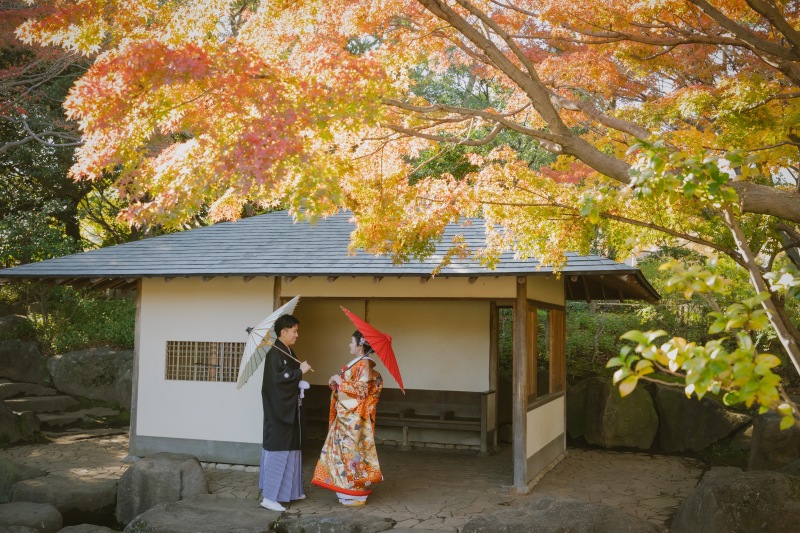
[203, 361]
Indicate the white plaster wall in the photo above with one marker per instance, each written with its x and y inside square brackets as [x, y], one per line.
[439, 344]
[545, 423]
[218, 310]
[549, 289]
[325, 333]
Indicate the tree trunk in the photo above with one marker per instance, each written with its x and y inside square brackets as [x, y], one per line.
[781, 328]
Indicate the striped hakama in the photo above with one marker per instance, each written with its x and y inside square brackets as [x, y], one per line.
[281, 475]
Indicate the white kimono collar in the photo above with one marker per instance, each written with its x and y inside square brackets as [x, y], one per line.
[356, 360]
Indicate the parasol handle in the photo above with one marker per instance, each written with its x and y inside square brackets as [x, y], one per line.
[293, 357]
[299, 361]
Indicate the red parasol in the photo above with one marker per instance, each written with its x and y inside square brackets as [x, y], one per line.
[381, 343]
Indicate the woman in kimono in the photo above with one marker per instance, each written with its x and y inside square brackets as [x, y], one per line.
[348, 464]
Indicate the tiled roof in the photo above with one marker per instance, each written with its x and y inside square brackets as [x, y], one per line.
[273, 244]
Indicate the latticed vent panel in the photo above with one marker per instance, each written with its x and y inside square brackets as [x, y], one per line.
[203, 361]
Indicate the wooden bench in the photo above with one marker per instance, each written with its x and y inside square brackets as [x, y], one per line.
[420, 409]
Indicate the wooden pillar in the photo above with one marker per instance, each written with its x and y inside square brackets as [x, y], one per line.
[532, 352]
[558, 350]
[520, 389]
[494, 345]
[494, 363]
[276, 292]
[137, 348]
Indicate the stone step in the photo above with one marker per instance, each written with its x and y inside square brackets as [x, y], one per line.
[42, 404]
[54, 421]
[84, 417]
[9, 389]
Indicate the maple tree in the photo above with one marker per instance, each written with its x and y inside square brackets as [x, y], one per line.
[670, 121]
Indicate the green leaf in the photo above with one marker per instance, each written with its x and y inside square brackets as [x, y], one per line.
[634, 335]
[755, 301]
[716, 327]
[768, 360]
[787, 422]
[628, 385]
[653, 335]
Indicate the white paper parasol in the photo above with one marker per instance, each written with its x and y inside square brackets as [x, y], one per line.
[260, 340]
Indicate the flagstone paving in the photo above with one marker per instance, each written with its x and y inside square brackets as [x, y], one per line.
[423, 490]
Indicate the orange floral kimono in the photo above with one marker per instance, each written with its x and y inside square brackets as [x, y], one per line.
[348, 463]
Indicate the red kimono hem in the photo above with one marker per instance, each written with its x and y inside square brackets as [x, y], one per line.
[339, 489]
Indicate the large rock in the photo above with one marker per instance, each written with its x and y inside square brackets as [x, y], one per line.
[12, 308]
[41, 517]
[91, 373]
[79, 500]
[87, 528]
[729, 500]
[10, 390]
[17, 427]
[612, 420]
[124, 388]
[10, 473]
[22, 361]
[16, 327]
[547, 514]
[205, 514]
[792, 469]
[341, 522]
[771, 447]
[742, 441]
[160, 478]
[689, 424]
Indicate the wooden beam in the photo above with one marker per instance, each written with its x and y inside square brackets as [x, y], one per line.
[331, 279]
[520, 389]
[586, 289]
[277, 288]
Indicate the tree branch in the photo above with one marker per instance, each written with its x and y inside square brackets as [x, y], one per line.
[766, 200]
[650, 225]
[593, 113]
[776, 18]
[449, 138]
[548, 140]
[744, 35]
[527, 81]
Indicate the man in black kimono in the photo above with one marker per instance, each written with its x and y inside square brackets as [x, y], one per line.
[281, 477]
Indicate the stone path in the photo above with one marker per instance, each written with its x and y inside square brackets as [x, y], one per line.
[424, 490]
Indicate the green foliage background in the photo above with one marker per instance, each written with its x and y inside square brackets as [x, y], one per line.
[66, 319]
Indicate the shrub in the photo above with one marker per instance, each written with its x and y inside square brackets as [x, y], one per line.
[67, 319]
